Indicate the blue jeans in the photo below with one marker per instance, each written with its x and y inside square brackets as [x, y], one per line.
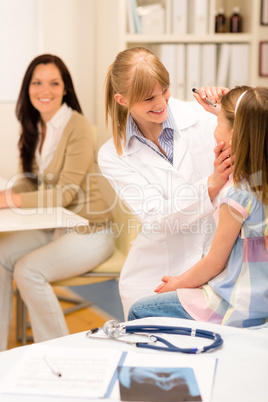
[159, 305]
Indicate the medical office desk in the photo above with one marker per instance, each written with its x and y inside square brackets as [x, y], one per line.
[242, 368]
[17, 219]
[12, 219]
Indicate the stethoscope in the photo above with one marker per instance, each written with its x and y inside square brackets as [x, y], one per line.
[114, 330]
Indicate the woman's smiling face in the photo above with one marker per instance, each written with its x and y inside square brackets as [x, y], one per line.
[46, 90]
[153, 109]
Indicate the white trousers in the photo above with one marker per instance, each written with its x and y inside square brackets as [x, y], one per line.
[35, 258]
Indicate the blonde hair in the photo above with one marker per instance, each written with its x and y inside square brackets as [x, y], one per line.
[250, 141]
[134, 74]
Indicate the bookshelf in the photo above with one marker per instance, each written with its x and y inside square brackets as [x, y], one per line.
[113, 35]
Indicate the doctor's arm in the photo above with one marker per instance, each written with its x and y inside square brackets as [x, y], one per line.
[222, 169]
[230, 223]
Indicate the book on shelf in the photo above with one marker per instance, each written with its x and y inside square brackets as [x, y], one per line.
[180, 68]
[134, 23]
[193, 68]
[179, 17]
[152, 18]
[208, 64]
[198, 13]
[233, 65]
[130, 18]
[239, 64]
[223, 68]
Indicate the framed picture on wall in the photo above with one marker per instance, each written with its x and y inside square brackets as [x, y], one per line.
[263, 63]
[264, 12]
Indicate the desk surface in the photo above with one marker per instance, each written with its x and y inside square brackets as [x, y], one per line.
[242, 369]
[38, 218]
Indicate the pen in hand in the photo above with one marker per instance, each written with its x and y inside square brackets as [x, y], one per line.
[205, 99]
[52, 367]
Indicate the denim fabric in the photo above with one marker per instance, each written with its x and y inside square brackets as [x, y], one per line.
[159, 305]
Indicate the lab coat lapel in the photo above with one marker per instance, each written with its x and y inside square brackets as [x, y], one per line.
[180, 148]
[146, 155]
[149, 157]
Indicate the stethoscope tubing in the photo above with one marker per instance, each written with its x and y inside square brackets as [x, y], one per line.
[218, 341]
[151, 331]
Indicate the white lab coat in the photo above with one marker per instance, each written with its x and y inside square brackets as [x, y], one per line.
[172, 202]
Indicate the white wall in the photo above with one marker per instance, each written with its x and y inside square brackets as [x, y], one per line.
[68, 31]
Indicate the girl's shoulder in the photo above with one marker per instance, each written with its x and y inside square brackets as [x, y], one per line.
[238, 195]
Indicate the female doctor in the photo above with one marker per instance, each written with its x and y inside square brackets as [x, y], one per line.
[161, 163]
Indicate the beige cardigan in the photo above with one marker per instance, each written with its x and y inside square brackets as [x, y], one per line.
[70, 180]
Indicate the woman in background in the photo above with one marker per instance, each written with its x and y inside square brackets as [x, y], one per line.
[57, 162]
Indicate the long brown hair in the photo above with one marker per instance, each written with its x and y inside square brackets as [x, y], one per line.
[250, 141]
[29, 117]
[133, 74]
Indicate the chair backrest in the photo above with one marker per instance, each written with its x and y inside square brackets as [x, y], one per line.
[126, 227]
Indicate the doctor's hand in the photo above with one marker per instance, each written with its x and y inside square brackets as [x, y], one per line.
[222, 169]
[169, 284]
[214, 94]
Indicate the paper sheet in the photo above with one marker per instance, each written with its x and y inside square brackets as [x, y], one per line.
[84, 372]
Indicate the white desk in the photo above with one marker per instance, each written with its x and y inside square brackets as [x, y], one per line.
[242, 370]
[37, 218]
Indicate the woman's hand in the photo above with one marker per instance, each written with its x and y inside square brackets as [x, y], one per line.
[222, 169]
[214, 94]
[8, 199]
[3, 203]
[169, 284]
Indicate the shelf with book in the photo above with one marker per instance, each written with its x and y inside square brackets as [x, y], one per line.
[114, 34]
[184, 17]
[189, 47]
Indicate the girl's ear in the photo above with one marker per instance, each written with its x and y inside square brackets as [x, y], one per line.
[120, 99]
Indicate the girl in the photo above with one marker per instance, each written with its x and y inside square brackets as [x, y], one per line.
[160, 162]
[229, 285]
[57, 163]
